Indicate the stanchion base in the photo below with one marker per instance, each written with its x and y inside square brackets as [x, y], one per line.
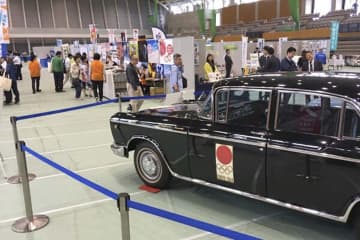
[24, 225]
[17, 179]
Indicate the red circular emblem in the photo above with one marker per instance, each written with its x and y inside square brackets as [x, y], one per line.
[224, 154]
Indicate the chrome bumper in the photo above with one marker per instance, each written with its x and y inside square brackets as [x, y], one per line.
[118, 150]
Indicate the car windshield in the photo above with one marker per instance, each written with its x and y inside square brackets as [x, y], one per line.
[206, 107]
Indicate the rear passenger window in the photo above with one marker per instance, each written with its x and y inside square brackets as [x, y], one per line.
[309, 114]
[352, 122]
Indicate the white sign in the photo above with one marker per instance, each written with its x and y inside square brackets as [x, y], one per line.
[224, 163]
[135, 34]
[244, 47]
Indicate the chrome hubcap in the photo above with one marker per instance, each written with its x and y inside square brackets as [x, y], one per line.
[150, 165]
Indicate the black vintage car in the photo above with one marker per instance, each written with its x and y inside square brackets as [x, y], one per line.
[291, 140]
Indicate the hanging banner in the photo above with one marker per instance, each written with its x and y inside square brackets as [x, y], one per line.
[111, 35]
[4, 33]
[158, 33]
[334, 36]
[244, 46]
[93, 33]
[281, 41]
[166, 51]
[294, 6]
[135, 34]
[153, 51]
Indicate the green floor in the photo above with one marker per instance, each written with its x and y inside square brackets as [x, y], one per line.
[80, 141]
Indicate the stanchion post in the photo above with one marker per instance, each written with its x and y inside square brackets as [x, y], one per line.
[120, 107]
[17, 179]
[124, 214]
[29, 223]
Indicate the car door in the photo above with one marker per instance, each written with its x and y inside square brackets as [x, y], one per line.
[230, 149]
[305, 153]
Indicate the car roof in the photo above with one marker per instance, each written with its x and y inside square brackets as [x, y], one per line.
[340, 83]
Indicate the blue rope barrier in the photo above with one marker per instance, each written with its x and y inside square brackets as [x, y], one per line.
[63, 110]
[190, 221]
[71, 174]
[36, 115]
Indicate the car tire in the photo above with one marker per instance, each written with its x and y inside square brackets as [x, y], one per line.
[355, 223]
[150, 166]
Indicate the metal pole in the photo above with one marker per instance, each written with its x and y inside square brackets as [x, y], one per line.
[120, 107]
[2, 166]
[124, 214]
[17, 178]
[29, 223]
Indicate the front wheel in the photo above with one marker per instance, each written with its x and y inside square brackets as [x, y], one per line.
[150, 166]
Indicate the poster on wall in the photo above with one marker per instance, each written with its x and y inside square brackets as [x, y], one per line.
[158, 33]
[93, 33]
[122, 52]
[153, 51]
[244, 46]
[166, 51]
[196, 54]
[4, 33]
[133, 48]
[65, 48]
[143, 51]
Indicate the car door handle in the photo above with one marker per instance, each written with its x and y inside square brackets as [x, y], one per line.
[261, 134]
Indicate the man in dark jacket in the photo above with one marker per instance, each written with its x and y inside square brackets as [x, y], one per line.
[271, 63]
[287, 64]
[228, 63]
[311, 64]
[133, 83]
[12, 73]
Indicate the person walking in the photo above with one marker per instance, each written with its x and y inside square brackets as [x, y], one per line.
[86, 84]
[75, 76]
[67, 66]
[12, 73]
[97, 76]
[176, 81]
[133, 83]
[287, 64]
[228, 63]
[18, 65]
[35, 73]
[57, 65]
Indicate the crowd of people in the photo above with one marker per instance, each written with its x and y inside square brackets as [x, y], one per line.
[269, 63]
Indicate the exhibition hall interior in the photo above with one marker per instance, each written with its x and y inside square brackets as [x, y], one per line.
[179, 119]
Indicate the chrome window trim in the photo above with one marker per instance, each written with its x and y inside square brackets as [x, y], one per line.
[342, 122]
[342, 219]
[317, 93]
[216, 105]
[347, 137]
[314, 153]
[250, 88]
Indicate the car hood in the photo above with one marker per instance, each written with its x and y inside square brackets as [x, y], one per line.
[188, 110]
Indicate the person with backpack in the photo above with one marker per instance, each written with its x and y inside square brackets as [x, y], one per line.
[57, 66]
